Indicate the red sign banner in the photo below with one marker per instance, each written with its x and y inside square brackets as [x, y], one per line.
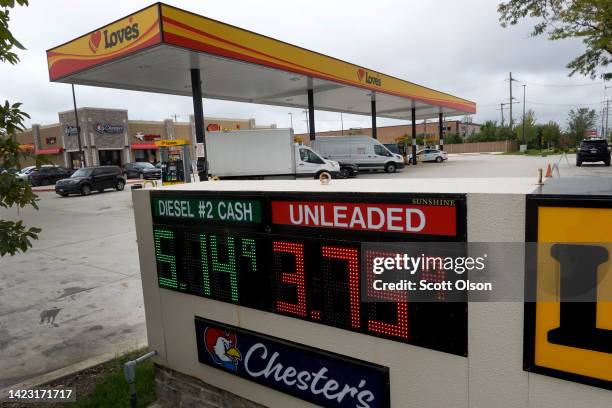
[381, 217]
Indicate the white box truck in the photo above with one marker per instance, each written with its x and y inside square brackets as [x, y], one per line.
[263, 154]
[364, 151]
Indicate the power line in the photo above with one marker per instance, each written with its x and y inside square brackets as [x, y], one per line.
[562, 85]
[563, 104]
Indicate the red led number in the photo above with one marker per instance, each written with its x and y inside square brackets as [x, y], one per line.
[352, 257]
[292, 278]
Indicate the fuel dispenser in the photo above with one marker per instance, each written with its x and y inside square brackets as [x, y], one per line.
[175, 159]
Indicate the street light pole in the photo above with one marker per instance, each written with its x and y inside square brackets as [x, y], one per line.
[291, 116]
[341, 124]
[82, 162]
[524, 86]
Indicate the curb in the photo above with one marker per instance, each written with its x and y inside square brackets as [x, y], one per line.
[64, 372]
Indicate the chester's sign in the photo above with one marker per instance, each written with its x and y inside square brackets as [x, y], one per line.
[323, 378]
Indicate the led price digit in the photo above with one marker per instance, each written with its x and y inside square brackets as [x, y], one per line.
[296, 278]
[165, 260]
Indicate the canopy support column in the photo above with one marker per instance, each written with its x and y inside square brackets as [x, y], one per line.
[198, 115]
[373, 104]
[441, 130]
[311, 121]
[414, 144]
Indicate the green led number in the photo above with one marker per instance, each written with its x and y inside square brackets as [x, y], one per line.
[205, 273]
[169, 259]
[248, 251]
[229, 267]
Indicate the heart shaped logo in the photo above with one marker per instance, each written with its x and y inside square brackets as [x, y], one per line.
[360, 73]
[94, 41]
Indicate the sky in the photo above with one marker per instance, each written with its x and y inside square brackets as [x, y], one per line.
[456, 47]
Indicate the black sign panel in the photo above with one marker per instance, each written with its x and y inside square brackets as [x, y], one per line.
[314, 375]
[258, 259]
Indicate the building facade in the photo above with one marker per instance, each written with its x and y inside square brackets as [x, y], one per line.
[108, 137]
[428, 131]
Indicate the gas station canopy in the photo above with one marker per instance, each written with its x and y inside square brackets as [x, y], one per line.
[154, 49]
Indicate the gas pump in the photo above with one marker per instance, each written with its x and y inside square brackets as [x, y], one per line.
[175, 159]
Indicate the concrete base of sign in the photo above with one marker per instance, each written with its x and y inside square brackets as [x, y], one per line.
[174, 389]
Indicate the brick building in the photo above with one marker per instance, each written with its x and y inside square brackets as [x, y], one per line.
[109, 137]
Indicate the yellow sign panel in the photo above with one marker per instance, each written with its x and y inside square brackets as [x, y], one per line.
[134, 32]
[568, 330]
[177, 142]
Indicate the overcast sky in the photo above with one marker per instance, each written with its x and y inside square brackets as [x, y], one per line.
[452, 46]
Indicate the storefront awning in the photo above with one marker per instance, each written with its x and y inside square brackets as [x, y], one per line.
[50, 150]
[144, 146]
[155, 49]
[27, 147]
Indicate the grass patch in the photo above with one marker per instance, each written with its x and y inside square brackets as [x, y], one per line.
[104, 385]
[112, 389]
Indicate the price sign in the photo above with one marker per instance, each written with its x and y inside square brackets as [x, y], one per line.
[306, 266]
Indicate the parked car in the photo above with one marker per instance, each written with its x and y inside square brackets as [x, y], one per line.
[23, 173]
[430, 155]
[141, 170]
[348, 170]
[593, 150]
[46, 175]
[85, 180]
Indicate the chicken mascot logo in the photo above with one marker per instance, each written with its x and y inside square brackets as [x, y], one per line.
[221, 345]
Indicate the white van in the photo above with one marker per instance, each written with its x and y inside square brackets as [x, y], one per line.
[364, 151]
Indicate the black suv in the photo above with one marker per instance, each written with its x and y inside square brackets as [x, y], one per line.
[141, 170]
[85, 180]
[593, 150]
[43, 176]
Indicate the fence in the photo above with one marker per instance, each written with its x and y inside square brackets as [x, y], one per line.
[482, 147]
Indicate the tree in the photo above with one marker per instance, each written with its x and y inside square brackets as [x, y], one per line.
[551, 134]
[453, 139]
[530, 137]
[579, 121]
[589, 20]
[14, 235]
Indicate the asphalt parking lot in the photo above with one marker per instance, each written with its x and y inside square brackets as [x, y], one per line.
[77, 294]
[495, 165]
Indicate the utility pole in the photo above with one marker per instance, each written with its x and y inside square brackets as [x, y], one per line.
[82, 162]
[291, 116]
[523, 138]
[175, 116]
[501, 108]
[341, 124]
[510, 101]
[607, 114]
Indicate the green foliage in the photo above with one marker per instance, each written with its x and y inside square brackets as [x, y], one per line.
[530, 128]
[14, 235]
[588, 20]
[453, 139]
[578, 122]
[113, 390]
[490, 132]
[7, 41]
[551, 134]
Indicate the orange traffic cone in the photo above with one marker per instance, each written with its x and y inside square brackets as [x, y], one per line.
[548, 171]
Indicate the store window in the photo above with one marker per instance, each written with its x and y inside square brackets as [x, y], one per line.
[109, 157]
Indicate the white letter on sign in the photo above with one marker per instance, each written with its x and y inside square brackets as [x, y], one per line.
[420, 214]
